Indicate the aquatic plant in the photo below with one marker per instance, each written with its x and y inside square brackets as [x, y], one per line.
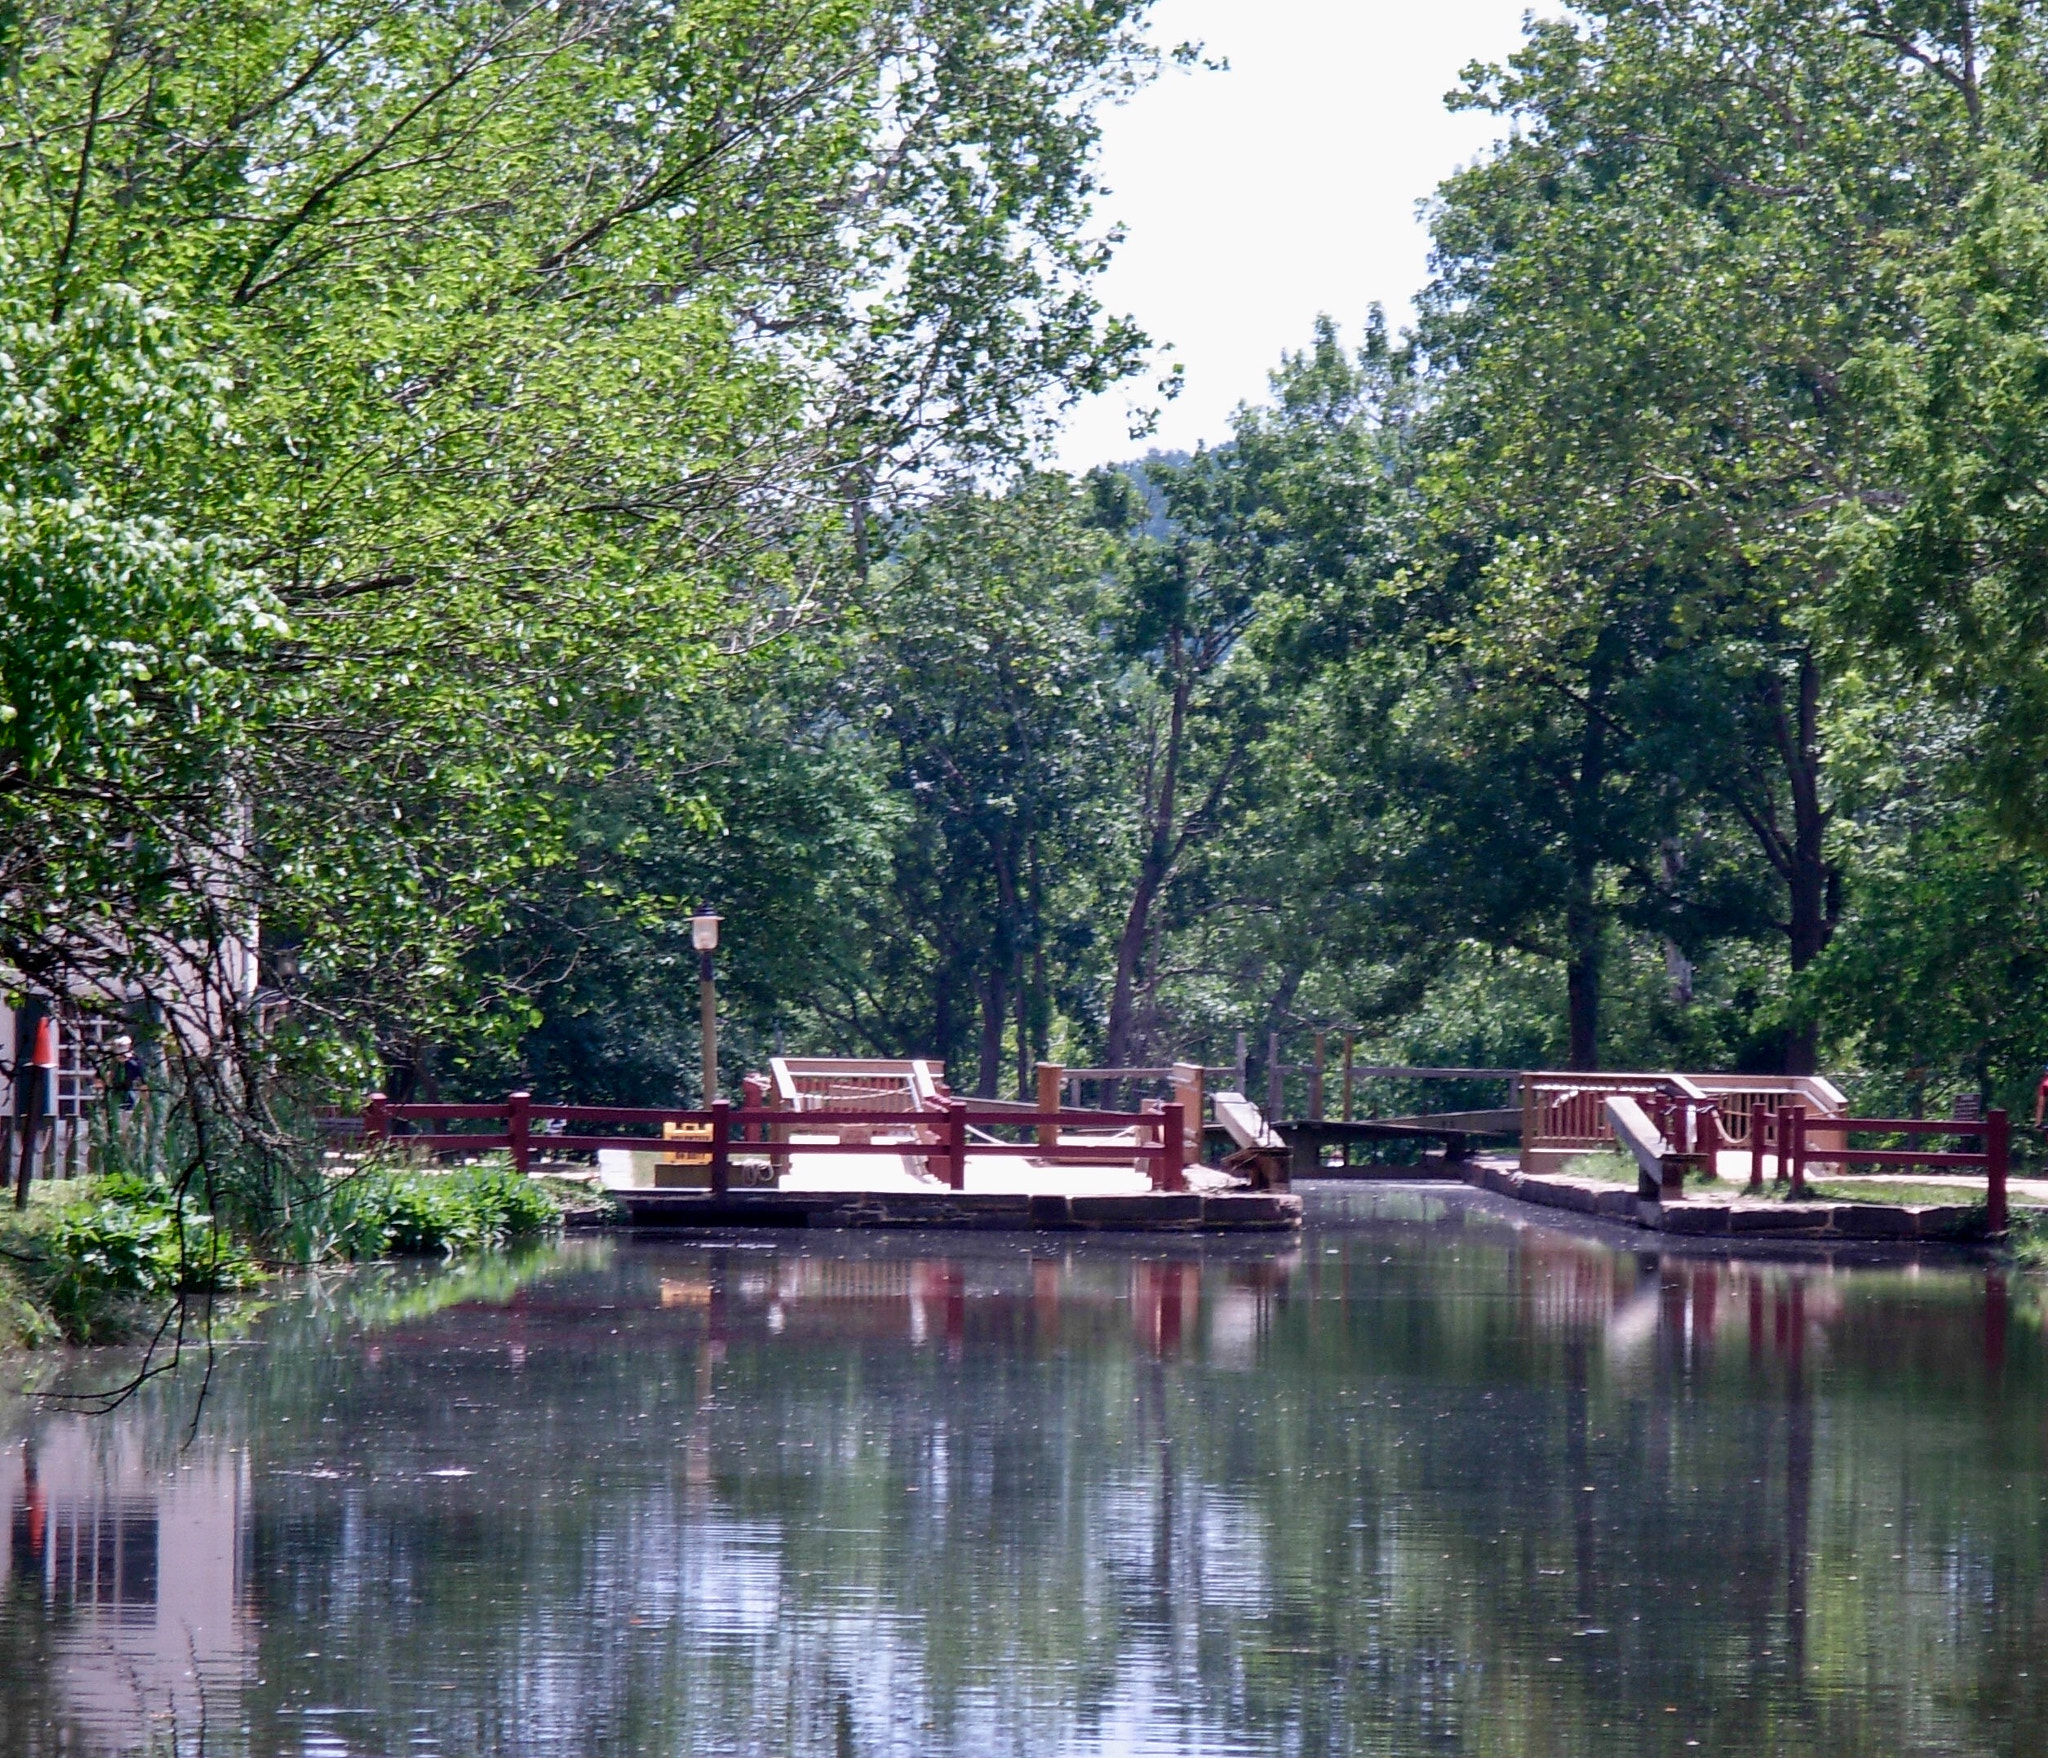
[2027, 1238]
[391, 1209]
[84, 1269]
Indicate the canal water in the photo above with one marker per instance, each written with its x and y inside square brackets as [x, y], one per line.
[1434, 1478]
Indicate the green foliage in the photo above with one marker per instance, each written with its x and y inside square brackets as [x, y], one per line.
[477, 484]
[993, 714]
[116, 630]
[383, 1211]
[2027, 1238]
[94, 1265]
[559, 360]
[1949, 570]
[125, 638]
[1608, 1168]
[123, 1245]
[1941, 974]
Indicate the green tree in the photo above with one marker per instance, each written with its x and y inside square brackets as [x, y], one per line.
[1939, 975]
[1648, 308]
[125, 644]
[1949, 570]
[563, 352]
[991, 702]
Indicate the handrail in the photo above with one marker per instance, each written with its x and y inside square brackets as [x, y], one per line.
[1561, 1109]
[1635, 1131]
[1785, 1136]
[943, 1129]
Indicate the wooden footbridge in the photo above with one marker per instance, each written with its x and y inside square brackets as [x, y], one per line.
[1276, 1144]
[865, 1142]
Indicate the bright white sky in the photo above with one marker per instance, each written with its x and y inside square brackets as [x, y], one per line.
[1287, 186]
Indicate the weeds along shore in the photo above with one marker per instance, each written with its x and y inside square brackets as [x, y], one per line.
[96, 1260]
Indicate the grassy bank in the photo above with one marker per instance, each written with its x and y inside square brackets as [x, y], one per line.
[96, 1260]
[1614, 1168]
[89, 1261]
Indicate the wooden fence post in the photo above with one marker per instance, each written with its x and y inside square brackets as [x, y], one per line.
[1243, 1065]
[518, 1121]
[775, 1133]
[1997, 1152]
[1350, 1053]
[1794, 1137]
[1173, 1145]
[1187, 1094]
[1315, 1083]
[721, 1147]
[753, 1099]
[1673, 1117]
[1051, 1077]
[1276, 1079]
[34, 1099]
[1759, 1127]
[956, 1143]
[376, 1118]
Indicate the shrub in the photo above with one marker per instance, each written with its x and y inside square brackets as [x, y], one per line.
[90, 1263]
[387, 1210]
[258, 1174]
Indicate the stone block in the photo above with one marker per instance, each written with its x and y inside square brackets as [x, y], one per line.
[1696, 1219]
[1267, 1209]
[1166, 1210]
[1552, 1195]
[1780, 1218]
[1950, 1221]
[1866, 1222]
[1050, 1212]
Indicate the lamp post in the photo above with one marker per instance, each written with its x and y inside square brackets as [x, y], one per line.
[704, 937]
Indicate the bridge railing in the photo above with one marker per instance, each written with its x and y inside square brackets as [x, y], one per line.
[1153, 1140]
[1787, 1137]
[1564, 1112]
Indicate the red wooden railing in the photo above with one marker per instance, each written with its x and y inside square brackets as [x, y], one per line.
[939, 1135]
[1786, 1135]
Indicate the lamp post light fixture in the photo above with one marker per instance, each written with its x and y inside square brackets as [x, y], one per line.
[704, 937]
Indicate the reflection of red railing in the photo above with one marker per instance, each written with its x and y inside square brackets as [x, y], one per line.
[938, 1136]
[1788, 1137]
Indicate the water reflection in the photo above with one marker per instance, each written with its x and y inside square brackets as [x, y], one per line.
[132, 1571]
[1437, 1478]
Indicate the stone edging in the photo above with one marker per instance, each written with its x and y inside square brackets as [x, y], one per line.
[1188, 1212]
[1776, 1220]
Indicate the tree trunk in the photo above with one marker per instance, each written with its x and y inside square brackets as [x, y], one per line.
[1583, 919]
[1812, 884]
[994, 1016]
[1161, 805]
[944, 1023]
[1582, 981]
[1026, 1020]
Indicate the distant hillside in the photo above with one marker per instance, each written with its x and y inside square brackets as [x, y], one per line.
[1139, 471]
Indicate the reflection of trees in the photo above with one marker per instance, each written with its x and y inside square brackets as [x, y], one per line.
[30, 1709]
[868, 1494]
